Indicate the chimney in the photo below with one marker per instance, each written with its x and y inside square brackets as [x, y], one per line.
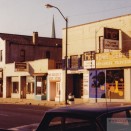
[35, 38]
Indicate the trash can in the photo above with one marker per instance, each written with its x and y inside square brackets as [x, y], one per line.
[71, 98]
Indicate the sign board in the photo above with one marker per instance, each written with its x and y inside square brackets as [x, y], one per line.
[55, 76]
[89, 60]
[111, 38]
[86, 84]
[20, 66]
[89, 64]
[111, 44]
[113, 59]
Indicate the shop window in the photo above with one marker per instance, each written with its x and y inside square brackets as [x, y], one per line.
[30, 88]
[15, 87]
[41, 85]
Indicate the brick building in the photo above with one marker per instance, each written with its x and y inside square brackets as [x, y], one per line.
[24, 63]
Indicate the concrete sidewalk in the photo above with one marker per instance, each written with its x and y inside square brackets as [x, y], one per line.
[37, 102]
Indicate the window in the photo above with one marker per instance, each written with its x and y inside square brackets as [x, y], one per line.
[74, 61]
[71, 124]
[0, 55]
[30, 88]
[47, 54]
[15, 87]
[41, 85]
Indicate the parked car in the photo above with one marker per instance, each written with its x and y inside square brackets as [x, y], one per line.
[86, 117]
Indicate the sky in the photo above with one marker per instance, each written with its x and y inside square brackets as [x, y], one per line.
[26, 16]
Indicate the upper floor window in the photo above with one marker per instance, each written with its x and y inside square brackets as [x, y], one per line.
[47, 54]
[74, 61]
[0, 55]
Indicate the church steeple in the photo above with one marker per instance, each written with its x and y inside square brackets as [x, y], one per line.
[53, 28]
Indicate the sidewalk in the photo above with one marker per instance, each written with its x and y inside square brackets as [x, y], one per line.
[38, 102]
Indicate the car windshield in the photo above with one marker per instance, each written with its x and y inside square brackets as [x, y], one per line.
[71, 124]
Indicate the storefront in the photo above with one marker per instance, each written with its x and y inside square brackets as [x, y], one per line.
[107, 84]
[40, 85]
[107, 77]
[22, 82]
[56, 90]
[30, 81]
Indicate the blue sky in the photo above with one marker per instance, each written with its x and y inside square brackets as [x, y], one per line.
[25, 16]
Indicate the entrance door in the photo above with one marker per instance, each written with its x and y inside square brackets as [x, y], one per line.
[77, 85]
[52, 91]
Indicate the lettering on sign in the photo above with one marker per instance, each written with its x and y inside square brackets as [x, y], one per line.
[20, 66]
[54, 76]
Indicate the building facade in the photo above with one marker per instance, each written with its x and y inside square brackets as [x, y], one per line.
[99, 61]
[24, 64]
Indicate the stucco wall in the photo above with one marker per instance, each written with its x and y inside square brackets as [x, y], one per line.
[85, 37]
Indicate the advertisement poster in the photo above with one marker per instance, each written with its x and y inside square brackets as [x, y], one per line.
[115, 84]
[99, 76]
[110, 84]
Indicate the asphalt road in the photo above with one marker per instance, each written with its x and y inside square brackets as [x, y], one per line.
[13, 115]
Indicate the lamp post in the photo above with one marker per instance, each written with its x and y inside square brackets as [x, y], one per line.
[66, 20]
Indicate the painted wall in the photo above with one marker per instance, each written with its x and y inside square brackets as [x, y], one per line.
[85, 37]
[54, 77]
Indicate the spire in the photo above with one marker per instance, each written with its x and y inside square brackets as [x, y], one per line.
[53, 28]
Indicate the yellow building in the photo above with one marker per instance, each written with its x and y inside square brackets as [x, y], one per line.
[99, 59]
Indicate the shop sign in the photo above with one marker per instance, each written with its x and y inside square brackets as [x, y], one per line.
[54, 76]
[86, 84]
[20, 66]
[111, 38]
[111, 44]
[89, 64]
[89, 60]
[113, 59]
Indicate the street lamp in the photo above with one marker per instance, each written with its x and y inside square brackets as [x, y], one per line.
[66, 20]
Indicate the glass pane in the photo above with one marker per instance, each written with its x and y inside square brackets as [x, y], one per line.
[71, 124]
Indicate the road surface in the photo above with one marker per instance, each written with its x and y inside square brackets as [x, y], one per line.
[13, 115]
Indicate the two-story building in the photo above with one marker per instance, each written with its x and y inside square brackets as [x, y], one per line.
[99, 59]
[24, 64]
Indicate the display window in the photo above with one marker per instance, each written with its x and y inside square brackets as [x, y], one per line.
[30, 88]
[109, 84]
[41, 85]
[15, 87]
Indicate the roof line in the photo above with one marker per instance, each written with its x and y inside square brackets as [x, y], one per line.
[99, 21]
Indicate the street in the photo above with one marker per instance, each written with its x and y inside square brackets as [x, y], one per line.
[12, 115]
